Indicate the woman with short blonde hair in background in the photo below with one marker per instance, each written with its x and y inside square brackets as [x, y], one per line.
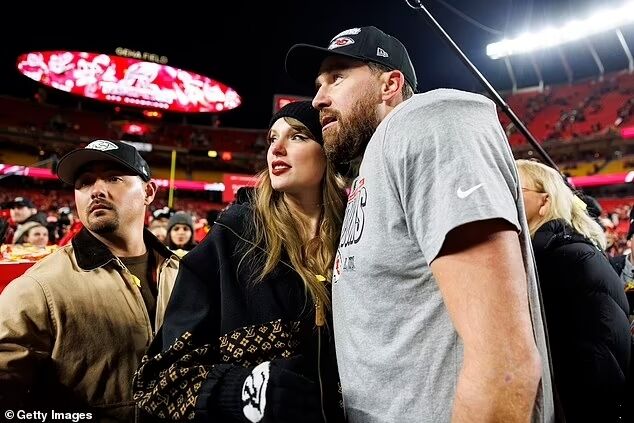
[584, 301]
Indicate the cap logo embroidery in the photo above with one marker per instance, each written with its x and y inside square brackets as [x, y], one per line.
[102, 145]
[381, 52]
[351, 31]
[340, 42]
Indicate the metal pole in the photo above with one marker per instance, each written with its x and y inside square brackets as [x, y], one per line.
[626, 49]
[538, 72]
[509, 69]
[566, 65]
[170, 200]
[596, 58]
[496, 97]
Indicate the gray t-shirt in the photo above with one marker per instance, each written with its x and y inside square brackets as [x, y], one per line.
[438, 161]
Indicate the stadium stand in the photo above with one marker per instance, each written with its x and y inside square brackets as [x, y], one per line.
[566, 112]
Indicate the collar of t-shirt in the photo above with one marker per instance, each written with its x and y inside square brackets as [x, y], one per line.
[138, 266]
[143, 270]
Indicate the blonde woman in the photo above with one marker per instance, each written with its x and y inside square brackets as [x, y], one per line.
[586, 308]
[246, 337]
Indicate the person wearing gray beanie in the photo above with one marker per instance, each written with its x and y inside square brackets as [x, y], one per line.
[180, 232]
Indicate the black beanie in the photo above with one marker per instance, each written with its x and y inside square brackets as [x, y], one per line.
[304, 112]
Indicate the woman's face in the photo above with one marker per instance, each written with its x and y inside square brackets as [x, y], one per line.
[38, 236]
[180, 234]
[296, 163]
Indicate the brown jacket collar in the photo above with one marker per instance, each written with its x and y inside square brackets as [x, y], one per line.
[92, 253]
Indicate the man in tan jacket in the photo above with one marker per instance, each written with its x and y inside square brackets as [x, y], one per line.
[74, 327]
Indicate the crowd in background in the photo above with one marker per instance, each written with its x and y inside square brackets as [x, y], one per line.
[49, 219]
[54, 211]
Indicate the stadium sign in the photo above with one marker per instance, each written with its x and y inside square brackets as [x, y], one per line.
[128, 81]
[141, 55]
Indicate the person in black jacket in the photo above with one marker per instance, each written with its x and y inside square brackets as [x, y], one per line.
[246, 336]
[584, 301]
[623, 265]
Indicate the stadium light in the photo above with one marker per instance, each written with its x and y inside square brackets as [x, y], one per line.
[601, 21]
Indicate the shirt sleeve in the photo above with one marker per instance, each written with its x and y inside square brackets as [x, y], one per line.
[450, 164]
[26, 339]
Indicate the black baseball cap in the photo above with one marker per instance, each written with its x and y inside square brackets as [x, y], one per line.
[21, 202]
[367, 43]
[102, 150]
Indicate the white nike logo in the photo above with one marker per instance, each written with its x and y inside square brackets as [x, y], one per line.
[465, 194]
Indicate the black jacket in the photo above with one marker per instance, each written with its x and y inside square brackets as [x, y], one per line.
[219, 318]
[618, 264]
[587, 322]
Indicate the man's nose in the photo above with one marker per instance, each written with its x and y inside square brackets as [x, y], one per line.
[321, 99]
[98, 189]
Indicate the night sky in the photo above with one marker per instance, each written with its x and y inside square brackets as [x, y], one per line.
[243, 44]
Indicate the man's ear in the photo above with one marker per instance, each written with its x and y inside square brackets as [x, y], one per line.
[150, 192]
[393, 82]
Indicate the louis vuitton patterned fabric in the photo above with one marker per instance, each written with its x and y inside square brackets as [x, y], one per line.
[247, 346]
[184, 367]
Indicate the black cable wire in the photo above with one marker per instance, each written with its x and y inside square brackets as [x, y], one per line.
[497, 98]
[469, 19]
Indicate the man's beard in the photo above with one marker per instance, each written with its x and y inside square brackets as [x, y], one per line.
[349, 139]
[103, 226]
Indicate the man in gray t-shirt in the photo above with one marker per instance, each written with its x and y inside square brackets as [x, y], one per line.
[435, 302]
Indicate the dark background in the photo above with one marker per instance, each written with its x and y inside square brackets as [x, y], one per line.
[243, 44]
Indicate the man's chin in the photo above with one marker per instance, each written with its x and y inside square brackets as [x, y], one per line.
[331, 137]
[337, 154]
[102, 228]
[334, 148]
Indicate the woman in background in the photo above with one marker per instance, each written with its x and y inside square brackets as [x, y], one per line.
[180, 232]
[245, 337]
[585, 305]
[33, 233]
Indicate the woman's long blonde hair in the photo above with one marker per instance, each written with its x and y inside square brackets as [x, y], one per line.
[278, 229]
[564, 204]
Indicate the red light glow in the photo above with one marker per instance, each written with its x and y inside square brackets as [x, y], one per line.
[135, 129]
[628, 132]
[127, 81]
